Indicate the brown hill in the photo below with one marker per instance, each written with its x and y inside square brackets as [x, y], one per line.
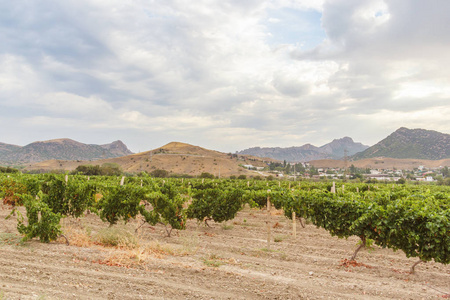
[382, 163]
[175, 157]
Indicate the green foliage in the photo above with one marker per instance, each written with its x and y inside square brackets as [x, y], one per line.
[215, 204]
[206, 175]
[412, 218]
[107, 169]
[111, 169]
[119, 203]
[79, 197]
[8, 170]
[54, 196]
[159, 173]
[42, 221]
[167, 207]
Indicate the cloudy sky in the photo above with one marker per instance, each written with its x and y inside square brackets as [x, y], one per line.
[226, 74]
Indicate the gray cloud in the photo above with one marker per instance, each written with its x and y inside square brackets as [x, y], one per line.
[209, 74]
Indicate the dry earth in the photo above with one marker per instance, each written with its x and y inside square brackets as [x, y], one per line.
[222, 262]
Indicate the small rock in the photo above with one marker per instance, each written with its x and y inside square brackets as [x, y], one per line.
[311, 273]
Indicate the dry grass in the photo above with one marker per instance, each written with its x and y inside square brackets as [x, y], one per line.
[121, 245]
[117, 236]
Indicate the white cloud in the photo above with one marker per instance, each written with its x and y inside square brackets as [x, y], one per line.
[217, 73]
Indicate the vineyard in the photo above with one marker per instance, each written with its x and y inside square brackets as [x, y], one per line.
[412, 219]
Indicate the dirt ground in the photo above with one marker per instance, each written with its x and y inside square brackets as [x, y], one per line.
[226, 261]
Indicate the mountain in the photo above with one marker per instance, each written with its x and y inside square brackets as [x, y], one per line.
[410, 143]
[175, 157]
[8, 148]
[333, 150]
[65, 149]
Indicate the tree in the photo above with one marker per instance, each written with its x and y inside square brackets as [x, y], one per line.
[159, 173]
[111, 169]
[206, 175]
[401, 181]
[299, 168]
[445, 172]
[288, 169]
[313, 171]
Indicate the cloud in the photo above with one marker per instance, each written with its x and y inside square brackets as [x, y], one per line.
[234, 74]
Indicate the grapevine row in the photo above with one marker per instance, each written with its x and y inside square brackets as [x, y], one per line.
[414, 219]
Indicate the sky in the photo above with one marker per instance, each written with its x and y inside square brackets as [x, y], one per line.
[224, 75]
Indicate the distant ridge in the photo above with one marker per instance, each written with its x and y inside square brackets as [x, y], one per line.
[65, 149]
[410, 143]
[333, 150]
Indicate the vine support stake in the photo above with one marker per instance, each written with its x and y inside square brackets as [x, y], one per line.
[333, 188]
[294, 225]
[268, 221]
[122, 181]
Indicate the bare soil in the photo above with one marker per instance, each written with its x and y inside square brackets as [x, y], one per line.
[226, 261]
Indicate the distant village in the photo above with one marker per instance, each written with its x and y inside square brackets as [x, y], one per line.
[295, 171]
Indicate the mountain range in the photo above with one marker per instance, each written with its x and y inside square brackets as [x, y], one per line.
[404, 143]
[334, 150]
[64, 149]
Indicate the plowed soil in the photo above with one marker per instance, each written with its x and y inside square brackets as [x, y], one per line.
[224, 261]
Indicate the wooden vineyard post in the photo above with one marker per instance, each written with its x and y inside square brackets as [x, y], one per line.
[66, 178]
[294, 225]
[357, 189]
[268, 220]
[343, 188]
[141, 182]
[333, 188]
[122, 181]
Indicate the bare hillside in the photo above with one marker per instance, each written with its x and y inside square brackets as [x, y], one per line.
[175, 157]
